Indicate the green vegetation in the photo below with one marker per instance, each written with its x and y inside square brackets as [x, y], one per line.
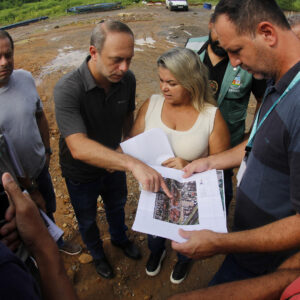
[289, 4]
[12, 11]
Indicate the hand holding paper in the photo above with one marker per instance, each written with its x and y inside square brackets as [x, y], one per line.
[196, 203]
[175, 163]
[200, 244]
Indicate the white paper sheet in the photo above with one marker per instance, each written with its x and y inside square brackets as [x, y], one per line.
[151, 147]
[53, 229]
[197, 205]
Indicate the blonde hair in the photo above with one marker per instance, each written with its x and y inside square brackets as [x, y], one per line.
[190, 72]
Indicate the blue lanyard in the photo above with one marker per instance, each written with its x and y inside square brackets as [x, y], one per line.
[256, 126]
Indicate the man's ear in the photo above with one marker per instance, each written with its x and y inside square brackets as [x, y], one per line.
[267, 32]
[93, 52]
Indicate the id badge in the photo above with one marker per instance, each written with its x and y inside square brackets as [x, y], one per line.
[242, 170]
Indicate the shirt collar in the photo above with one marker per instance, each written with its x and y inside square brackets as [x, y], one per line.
[88, 79]
[286, 79]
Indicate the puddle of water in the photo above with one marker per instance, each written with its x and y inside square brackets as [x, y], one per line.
[148, 41]
[187, 32]
[64, 59]
[171, 42]
[56, 38]
[66, 48]
[138, 50]
[21, 42]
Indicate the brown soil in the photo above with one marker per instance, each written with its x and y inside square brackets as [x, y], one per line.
[37, 47]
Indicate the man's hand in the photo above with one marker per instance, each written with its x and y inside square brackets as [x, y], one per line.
[221, 161]
[175, 163]
[31, 227]
[196, 166]
[199, 244]
[150, 179]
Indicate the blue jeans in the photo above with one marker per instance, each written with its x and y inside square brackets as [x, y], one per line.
[156, 245]
[230, 271]
[113, 190]
[46, 189]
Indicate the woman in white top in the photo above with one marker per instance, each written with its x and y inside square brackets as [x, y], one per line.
[195, 128]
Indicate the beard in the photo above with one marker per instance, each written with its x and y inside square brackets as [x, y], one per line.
[219, 51]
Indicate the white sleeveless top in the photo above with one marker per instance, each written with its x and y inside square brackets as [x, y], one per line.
[190, 144]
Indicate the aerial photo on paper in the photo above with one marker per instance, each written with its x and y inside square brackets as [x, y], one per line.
[183, 208]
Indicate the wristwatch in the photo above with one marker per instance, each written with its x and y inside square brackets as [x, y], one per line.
[48, 151]
[33, 186]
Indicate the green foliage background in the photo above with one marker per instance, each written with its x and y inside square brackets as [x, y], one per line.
[289, 4]
[12, 11]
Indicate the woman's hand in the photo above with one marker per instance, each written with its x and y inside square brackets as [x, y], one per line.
[175, 163]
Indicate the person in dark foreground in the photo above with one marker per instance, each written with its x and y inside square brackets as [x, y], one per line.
[23, 217]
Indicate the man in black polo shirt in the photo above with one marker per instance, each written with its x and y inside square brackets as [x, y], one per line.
[94, 108]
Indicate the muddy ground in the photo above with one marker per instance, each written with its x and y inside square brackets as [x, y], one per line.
[53, 47]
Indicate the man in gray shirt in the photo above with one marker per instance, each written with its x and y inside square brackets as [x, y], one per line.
[94, 109]
[23, 121]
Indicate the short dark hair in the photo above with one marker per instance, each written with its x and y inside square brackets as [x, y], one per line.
[4, 34]
[247, 14]
[99, 33]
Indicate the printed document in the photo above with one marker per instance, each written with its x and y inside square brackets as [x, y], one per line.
[197, 201]
[196, 205]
